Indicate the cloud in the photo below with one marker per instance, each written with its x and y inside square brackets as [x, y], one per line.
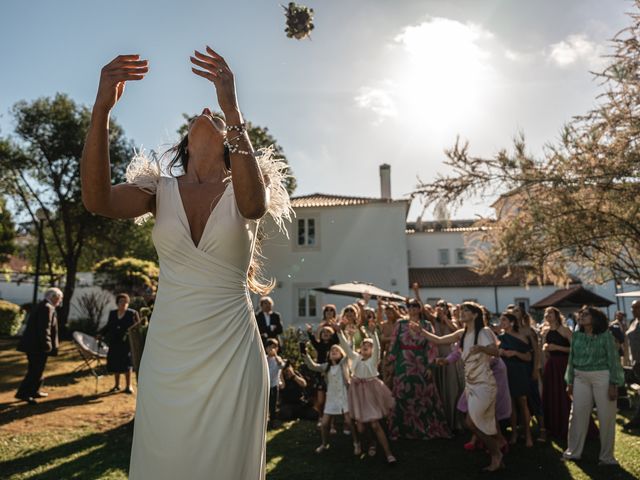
[379, 100]
[577, 48]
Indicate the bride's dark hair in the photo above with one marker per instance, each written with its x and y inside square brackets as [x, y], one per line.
[257, 283]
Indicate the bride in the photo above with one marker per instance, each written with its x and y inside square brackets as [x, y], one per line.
[203, 382]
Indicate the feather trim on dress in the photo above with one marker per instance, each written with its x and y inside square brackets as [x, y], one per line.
[144, 173]
[276, 173]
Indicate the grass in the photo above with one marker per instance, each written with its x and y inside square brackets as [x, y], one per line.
[80, 434]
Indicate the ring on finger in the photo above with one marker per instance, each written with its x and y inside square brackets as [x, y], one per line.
[219, 70]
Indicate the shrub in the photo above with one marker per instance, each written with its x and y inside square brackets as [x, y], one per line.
[289, 347]
[134, 276]
[11, 316]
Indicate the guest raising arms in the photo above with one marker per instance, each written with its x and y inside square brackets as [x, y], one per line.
[369, 399]
[418, 413]
[478, 346]
[337, 372]
[449, 377]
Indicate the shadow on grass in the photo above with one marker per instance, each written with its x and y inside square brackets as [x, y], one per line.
[18, 410]
[290, 455]
[13, 367]
[89, 457]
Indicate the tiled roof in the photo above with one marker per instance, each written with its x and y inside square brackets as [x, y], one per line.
[326, 200]
[448, 226]
[451, 277]
[575, 296]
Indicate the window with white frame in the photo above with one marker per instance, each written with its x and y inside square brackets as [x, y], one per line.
[461, 256]
[307, 302]
[443, 256]
[307, 232]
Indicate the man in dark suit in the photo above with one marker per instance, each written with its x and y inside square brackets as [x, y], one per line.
[39, 341]
[269, 323]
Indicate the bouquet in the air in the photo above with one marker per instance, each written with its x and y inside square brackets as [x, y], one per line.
[299, 21]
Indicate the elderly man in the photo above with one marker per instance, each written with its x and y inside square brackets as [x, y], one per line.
[633, 336]
[269, 323]
[39, 341]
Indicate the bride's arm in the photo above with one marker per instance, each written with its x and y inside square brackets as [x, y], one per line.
[98, 195]
[249, 185]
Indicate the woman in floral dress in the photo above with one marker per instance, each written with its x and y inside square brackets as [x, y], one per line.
[418, 413]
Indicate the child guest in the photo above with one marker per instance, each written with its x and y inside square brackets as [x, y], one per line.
[275, 364]
[369, 398]
[336, 371]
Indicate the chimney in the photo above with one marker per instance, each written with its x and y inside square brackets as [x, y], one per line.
[385, 181]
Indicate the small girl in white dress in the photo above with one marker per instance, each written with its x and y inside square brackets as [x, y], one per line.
[337, 375]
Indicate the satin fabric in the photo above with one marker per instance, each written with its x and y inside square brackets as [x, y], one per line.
[203, 383]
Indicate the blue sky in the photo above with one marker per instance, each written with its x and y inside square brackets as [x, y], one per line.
[381, 81]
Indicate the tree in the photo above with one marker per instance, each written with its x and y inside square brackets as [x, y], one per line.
[131, 275]
[40, 168]
[260, 138]
[576, 207]
[7, 232]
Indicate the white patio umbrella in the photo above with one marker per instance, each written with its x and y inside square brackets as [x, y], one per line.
[358, 289]
[635, 293]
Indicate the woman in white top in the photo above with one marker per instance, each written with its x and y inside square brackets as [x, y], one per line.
[478, 345]
[337, 374]
[370, 400]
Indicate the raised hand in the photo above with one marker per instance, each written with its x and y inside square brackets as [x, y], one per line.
[113, 78]
[215, 69]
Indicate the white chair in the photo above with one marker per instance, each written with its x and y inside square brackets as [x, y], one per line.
[92, 351]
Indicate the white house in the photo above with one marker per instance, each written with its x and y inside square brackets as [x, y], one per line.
[335, 239]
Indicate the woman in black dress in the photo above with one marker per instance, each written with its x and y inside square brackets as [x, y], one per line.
[121, 320]
[516, 351]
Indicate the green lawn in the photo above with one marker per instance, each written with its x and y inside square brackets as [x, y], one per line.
[80, 434]
[84, 454]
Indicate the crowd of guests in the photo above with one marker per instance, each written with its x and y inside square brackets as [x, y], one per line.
[418, 371]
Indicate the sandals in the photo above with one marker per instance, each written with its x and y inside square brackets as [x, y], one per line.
[357, 449]
[114, 390]
[542, 436]
[322, 448]
[391, 460]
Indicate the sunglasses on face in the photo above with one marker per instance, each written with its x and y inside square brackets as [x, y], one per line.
[413, 305]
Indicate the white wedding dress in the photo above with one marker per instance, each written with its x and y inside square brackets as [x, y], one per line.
[203, 382]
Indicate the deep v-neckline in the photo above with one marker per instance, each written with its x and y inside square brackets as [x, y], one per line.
[186, 223]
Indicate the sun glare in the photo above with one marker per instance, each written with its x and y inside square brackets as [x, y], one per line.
[447, 76]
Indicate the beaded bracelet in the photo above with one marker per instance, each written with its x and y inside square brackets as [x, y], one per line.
[238, 128]
[236, 149]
